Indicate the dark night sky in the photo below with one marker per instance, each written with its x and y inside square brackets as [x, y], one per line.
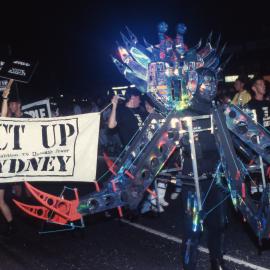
[73, 40]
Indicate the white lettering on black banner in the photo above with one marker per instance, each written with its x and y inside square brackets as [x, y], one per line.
[38, 109]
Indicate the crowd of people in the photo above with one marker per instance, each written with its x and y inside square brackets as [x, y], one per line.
[253, 94]
[109, 140]
[244, 92]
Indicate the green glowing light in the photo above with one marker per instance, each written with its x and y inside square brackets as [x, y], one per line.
[183, 103]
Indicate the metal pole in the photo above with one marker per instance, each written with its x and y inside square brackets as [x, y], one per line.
[260, 157]
[194, 161]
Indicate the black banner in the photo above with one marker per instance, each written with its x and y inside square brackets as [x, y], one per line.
[38, 109]
[18, 70]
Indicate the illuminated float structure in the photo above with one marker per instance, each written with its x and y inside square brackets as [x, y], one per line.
[171, 74]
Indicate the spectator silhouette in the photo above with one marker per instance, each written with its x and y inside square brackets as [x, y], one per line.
[242, 96]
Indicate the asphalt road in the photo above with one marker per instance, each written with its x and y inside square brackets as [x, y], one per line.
[109, 243]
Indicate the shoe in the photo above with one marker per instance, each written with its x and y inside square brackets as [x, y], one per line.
[218, 264]
[148, 207]
[162, 202]
[174, 195]
[154, 208]
[107, 214]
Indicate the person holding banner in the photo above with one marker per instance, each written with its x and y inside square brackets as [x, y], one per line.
[5, 209]
[14, 110]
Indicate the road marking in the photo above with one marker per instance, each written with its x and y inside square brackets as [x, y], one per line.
[200, 248]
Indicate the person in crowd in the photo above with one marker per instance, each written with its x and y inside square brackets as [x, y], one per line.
[148, 104]
[14, 110]
[5, 209]
[100, 102]
[77, 108]
[54, 110]
[94, 107]
[242, 97]
[127, 118]
[110, 141]
[224, 93]
[267, 89]
[259, 103]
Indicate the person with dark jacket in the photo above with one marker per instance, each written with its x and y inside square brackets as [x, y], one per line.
[259, 103]
[128, 117]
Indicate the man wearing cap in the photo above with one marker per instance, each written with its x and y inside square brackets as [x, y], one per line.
[128, 118]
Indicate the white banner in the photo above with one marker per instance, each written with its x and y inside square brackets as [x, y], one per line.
[38, 109]
[51, 149]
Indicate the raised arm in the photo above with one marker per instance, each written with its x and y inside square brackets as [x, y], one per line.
[4, 109]
[112, 123]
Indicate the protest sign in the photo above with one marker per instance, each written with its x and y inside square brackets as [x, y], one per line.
[38, 109]
[18, 70]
